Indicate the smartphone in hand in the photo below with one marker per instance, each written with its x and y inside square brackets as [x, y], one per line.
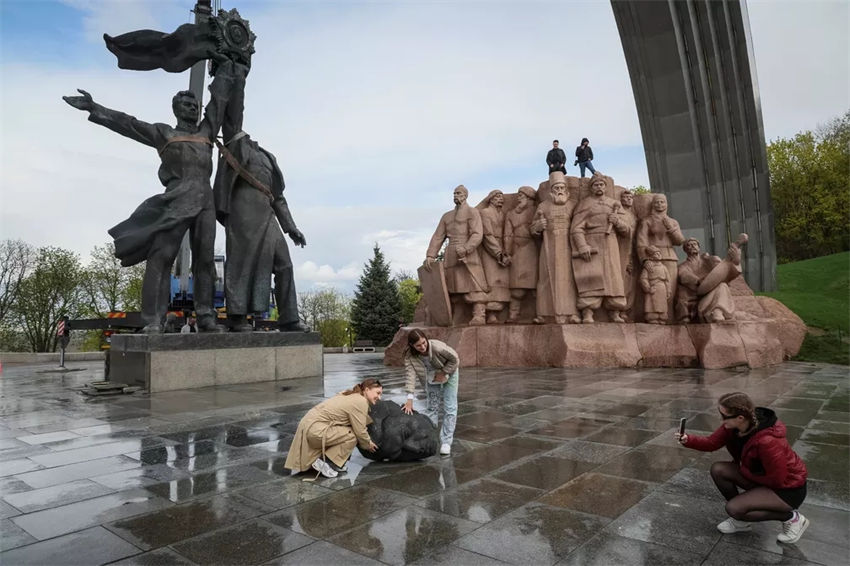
[682, 426]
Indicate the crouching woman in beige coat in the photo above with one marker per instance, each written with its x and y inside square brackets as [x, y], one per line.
[328, 433]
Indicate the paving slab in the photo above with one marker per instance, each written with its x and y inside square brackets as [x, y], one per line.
[548, 466]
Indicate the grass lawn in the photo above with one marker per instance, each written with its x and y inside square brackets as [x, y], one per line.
[818, 291]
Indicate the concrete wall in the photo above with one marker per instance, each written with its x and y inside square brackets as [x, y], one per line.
[695, 87]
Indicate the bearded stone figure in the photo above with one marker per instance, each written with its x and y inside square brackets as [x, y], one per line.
[521, 246]
[556, 291]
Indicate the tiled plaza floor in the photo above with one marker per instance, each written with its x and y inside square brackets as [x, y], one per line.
[549, 466]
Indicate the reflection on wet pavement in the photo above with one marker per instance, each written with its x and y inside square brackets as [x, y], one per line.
[548, 466]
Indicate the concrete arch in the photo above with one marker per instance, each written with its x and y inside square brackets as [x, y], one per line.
[694, 80]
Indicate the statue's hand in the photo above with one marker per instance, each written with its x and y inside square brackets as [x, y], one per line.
[428, 263]
[84, 102]
[297, 237]
[585, 254]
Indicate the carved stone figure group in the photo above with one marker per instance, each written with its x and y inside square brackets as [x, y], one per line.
[580, 258]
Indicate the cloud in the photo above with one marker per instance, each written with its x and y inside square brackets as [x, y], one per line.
[375, 111]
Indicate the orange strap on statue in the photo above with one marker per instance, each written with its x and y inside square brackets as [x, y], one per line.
[196, 139]
[233, 162]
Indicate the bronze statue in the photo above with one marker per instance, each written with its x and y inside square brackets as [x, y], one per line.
[155, 229]
[250, 205]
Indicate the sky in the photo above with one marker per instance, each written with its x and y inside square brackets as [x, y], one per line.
[375, 110]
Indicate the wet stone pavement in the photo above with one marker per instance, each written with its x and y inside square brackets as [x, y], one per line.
[549, 466]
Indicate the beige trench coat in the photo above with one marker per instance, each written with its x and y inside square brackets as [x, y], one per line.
[333, 427]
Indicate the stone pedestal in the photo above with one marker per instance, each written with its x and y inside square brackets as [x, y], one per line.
[165, 362]
[765, 333]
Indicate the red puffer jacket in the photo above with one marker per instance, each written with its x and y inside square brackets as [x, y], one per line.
[764, 457]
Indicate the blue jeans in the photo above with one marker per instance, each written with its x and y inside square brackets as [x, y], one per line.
[444, 394]
[582, 165]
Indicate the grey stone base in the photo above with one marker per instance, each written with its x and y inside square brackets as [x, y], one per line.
[166, 362]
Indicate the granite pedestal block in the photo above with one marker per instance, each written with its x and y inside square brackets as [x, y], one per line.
[165, 362]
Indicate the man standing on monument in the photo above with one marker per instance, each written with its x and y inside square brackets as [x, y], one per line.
[465, 278]
[556, 159]
[584, 156]
[155, 229]
[521, 247]
[250, 205]
[596, 253]
[493, 257]
[556, 295]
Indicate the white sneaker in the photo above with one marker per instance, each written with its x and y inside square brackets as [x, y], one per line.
[731, 525]
[792, 529]
[445, 449]
[323, 468]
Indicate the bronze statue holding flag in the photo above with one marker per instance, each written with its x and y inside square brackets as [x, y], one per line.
[155, 229]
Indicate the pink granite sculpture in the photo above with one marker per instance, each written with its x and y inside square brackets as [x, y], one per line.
[596, 254]
[703, 292]
[661, 231]
[629, 265]
[655, 283]
[465, 279]
[521, 248]
[556, 292]
[493, 257]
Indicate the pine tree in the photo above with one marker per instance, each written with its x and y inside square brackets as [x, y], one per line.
[376, 308]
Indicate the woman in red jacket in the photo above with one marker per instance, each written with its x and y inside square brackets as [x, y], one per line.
[771, 475]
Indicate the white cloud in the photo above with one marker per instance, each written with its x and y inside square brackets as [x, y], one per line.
[376, 111]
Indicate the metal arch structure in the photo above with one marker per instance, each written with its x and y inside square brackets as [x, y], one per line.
[694, 80]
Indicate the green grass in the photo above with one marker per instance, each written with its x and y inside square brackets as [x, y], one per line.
[818, 291]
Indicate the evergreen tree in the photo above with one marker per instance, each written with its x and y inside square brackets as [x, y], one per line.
[376, 308]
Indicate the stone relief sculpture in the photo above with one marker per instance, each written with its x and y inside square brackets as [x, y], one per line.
[596, 253]
[556, 291]
[704, 294]
[655, 282]
[661, 231]
[629, 265]
[493, 257]
[610, 250]
[521, 248]
[465, 279]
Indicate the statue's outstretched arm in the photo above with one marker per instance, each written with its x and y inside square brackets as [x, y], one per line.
[118, 122]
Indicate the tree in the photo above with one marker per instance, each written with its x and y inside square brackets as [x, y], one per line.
[376, 308]
[327, 312]
[808, 188]
[50, 291]
[109, 287]
[16, 259]
[641, 190]
[409, 293]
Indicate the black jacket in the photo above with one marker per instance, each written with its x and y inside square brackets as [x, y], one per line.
[584, 153]
[556, 159]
